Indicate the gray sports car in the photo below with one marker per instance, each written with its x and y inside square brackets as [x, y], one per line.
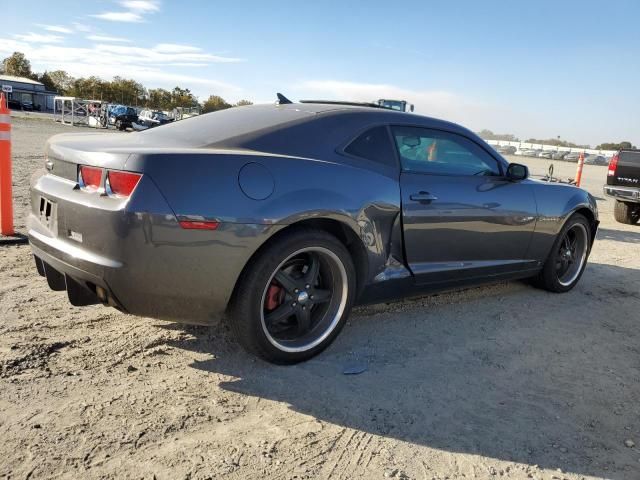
[282, 217]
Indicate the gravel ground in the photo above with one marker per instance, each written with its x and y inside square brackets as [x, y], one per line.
[500, 381]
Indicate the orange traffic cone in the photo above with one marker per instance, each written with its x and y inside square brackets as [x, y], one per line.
[579, 170]
[6, 197]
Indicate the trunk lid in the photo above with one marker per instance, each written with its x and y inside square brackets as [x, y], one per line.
[63, 153]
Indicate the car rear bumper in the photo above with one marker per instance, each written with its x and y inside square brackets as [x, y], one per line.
[135, 256]
[625, 194]
[189, 283]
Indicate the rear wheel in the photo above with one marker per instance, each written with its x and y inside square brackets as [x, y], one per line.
[626, 212]
[295, 297]
[568, 257]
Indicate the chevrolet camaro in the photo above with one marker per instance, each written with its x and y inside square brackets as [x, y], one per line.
[279, 218]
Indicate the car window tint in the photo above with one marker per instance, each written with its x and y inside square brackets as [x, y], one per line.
[374, 144]
[432, 151]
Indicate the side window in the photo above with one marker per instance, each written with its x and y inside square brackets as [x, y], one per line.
[375, 145]
[432, 151]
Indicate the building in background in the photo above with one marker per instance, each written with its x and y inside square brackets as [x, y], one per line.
[26, 91]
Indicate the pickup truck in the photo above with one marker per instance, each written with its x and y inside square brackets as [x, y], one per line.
[623, 184]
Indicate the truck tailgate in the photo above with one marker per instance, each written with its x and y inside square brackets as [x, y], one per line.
[627, 173]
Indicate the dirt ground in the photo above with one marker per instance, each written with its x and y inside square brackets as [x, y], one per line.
[503, 381]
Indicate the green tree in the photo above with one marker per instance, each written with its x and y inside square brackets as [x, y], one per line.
[18, 65]
[615, 146]
[215, 103]
[242, 103]
[556, 142]
[159, 98]
[489, 135]
[46, 80]
[61, 80]
[183, 98]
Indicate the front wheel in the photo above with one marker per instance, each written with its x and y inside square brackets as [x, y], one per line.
[295, 297]
[568, 257]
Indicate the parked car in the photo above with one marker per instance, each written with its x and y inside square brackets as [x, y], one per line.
[545, 154]
[531, 152]
[19, 105]
[121, 116]
[153, 118]
[573, 157]
[623, 184]
[559, 155]
[282, 217]
[596, 160]
[507, 150]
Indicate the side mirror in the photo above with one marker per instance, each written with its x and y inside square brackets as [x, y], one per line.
[411, 107]
[516, 171]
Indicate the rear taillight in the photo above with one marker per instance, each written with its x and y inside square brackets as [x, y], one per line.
[121, 184]
[89, 177]
[613, 165]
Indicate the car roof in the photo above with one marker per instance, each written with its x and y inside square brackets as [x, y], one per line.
[302, 129]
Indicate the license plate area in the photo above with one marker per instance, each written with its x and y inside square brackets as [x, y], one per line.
[49, 215]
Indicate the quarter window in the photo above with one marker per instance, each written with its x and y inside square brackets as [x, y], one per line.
[432, 151]
[374, 144]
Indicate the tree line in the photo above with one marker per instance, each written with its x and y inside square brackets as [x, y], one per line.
[117, 90]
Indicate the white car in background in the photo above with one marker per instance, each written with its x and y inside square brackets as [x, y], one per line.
[152, 118]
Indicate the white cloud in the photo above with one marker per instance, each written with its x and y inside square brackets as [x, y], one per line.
[39, 38]
[107, 38]
[141, 5]
[129, 17]
[148, 66]
[81, 27]
[173, 48]
[135, 9]
[129, 54]
[56, 28]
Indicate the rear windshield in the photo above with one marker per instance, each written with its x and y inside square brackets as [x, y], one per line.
[216, 127]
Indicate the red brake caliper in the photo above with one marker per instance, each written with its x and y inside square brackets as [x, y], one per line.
[275, 296]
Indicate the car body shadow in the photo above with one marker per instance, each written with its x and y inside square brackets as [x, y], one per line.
[506, 371]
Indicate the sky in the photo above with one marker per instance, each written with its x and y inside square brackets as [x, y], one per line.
[538, 69]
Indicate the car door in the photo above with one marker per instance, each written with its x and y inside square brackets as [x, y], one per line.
[462, 218]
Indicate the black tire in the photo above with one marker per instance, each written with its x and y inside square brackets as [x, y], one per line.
[549, 278]
[626, 213]
[248, 308]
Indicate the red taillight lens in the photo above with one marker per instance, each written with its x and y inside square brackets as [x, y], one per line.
[613, 165]
[90, 177]
[198, 225]
[121, 184]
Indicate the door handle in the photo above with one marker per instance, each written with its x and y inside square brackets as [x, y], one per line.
[423, 197]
